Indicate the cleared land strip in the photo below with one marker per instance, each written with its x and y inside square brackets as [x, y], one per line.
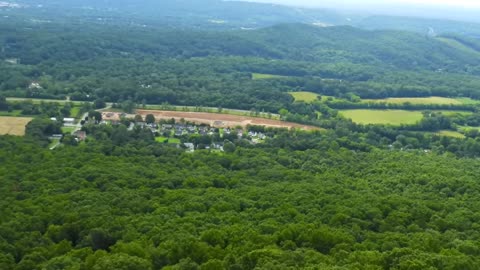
[13, 125]
[216, 119]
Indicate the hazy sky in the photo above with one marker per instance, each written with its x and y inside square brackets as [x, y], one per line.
[463, 4]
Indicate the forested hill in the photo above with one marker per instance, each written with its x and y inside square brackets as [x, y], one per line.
[299, 42]
[399, 49]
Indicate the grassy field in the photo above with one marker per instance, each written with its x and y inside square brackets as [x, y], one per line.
[309, 96]
[468, 101]
[422, 100]
[75, 111]
[13, 125]
[67, 130]
[304, 96]
[170, 140]
[39, 100]
[392, 117]
[260, 76]
[15, 113]
[452, 113]
[458, 45]
[451, 133]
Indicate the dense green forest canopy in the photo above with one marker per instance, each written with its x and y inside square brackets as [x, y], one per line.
[301, 200]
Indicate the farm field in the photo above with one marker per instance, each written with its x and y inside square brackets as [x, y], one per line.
[261, 76]
[422, 100]
[13, 125]
[392, 117]
[222, 120]
[207, 110]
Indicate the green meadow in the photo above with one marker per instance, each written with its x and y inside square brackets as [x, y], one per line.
[451, 133]
[261, 76]
[417, 100]
[170, 140]
[304, 96]
[392, 117]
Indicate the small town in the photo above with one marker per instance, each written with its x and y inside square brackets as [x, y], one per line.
[189, 135]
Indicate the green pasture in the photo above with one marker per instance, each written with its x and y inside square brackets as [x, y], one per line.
[304, 96]
[67, 130]
[170, 140]
[392, 117]
[417, 100]
[451, 133]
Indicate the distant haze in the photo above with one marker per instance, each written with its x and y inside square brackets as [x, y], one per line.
[448, 9]
[464, 4]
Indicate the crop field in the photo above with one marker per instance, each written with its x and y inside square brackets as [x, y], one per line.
[223, 120]
[13, 125]
[422, 100]
[392, 117]
[261, 76]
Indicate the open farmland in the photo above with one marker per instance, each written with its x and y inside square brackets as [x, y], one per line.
[13, 125]
[392, 117]
[414, 100]
[216, 119]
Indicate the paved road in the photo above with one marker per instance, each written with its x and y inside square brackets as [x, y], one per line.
[78, 126]
[55, 145]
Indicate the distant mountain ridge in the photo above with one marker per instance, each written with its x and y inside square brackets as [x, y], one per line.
[227, 15]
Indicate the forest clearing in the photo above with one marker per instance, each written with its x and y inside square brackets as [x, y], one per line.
[13, 125]
[304, 96]
[261, 76]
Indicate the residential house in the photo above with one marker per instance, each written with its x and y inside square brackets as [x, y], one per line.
[81, 135]
[190, 147]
